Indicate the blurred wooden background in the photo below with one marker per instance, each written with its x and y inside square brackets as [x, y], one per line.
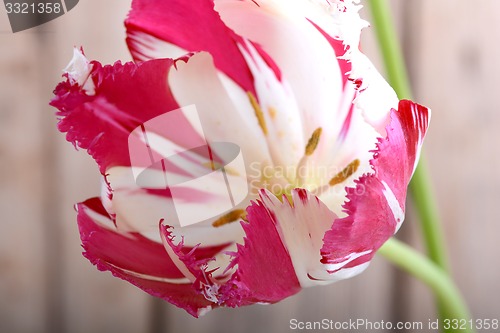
[453, 51]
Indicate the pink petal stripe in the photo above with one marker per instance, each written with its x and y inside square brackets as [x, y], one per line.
[345, 69]
[193, 27]
[130, 251]
[375, 207]
[183, 296]
[203, 282]
[339, 48]
[405, 137]
[267, 59]
[138, 260]
[125, 97]
[265, 271]
[263, 252]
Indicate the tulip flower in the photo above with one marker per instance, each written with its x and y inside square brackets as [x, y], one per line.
[325, 150]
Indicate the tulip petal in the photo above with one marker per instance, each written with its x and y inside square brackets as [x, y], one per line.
[227, 118]
[312, 33]
[128, 251]
[192, 27]
[375, 207]
[302, 228]
[357, 142]
[295, 105]
[277, 110]
[133, 258]
[294, 43]
[261, 253]
[139, 209]
[125, 97]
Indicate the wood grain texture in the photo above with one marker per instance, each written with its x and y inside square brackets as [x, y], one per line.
[46, 285]
[22, 261]
[452, 56]
[456, 72]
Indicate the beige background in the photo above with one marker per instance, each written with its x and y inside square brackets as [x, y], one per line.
[452, 49]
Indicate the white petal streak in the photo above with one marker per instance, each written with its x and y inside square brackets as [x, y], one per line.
[420, 125]
[181, 266]
[219, 263]
[139, 211]
[280, 111]
[144, 47]
[351, 257]
[347, 273]
[152, 278]
[376, 97]
[78, 71]
[302, 228]
[101, 220]
[358, 143]
[305, 58]
[393, 202]
[224, 117]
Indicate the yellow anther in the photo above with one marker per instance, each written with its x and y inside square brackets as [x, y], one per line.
[230, 217]
[344, 174]
[313, 141]
[258, 112]
[272, 112]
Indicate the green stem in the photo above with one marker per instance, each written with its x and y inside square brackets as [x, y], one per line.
[425, 204]
[428, 272]
[420, 187]
[389, 47]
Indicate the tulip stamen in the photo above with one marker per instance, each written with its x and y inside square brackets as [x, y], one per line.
[258, 112]
[312, 144]
[230, 217]
[345, 173]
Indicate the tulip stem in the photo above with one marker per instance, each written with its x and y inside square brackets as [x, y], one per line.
[420, 186]
[425, 204]
[389, 47]
[421, 267]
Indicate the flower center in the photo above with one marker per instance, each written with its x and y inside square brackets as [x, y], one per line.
[345, 173]
[307, 174]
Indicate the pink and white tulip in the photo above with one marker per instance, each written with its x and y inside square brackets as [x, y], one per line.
[328, 149]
